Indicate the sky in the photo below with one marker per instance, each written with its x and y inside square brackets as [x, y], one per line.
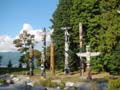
[16, 15]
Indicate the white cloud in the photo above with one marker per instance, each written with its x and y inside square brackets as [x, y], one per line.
[6, 42]
[38, 32]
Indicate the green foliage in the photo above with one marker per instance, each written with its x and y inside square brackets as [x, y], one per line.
[23, 44]
[101, 30]
[61, 18]
[2, 82]
[97, 65]
[114, 84]
[62, 85]
[25, 57]
[114, 66]
[48, 83]
[37, 56]
[5, 70]
[109, 33]
[24, 41]
[86, 12]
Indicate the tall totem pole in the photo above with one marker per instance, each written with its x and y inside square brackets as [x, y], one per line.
[86, 54]
[66, 34]
[31, 55]
[43, 61]
[81, 42]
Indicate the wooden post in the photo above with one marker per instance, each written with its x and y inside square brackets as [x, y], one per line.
[52, 70]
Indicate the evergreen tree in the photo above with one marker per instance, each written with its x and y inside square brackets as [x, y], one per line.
[61, 18]
[9, 64]
[113, 64]
[0, 60]
[109, 32]
[100, 19]
[20, 65]
[85, 12]
[100, 27]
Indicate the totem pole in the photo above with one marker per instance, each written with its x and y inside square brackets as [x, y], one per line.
[81, 42]
[43, 61]
[66, 34]
[88, 54]
[31, 55]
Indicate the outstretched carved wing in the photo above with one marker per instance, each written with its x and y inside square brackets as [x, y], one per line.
[88, 54]
[94, 53]
[82, 54]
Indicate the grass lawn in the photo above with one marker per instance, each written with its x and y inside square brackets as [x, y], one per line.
[59, 75]
[72, 77]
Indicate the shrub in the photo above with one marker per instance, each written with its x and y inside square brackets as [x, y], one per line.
[9, 64]
[114, 84]
[62, 85]
[2, 81]
[48, 83]
[43, 82]
[4, 70]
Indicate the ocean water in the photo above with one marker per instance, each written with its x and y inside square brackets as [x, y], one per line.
[13, 56]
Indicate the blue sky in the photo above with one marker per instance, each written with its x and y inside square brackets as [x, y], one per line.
[14, 13]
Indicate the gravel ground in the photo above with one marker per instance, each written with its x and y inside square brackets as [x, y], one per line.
[21, 83]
